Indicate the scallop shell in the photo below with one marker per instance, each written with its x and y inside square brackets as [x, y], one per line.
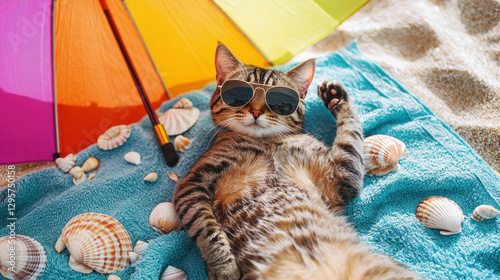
[95, 242]
[484, 212]
[140, 247]
[66, 163]
[173, 177]
[173, 273]
[164, 219]
[90, 164]
[30, 258]
[179, 119]
[113, 277]
[440, 213]
[151, 177]
[114, 137]
[133, 157]
[382, 154]
[181, 143]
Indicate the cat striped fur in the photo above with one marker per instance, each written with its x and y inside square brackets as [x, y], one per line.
[265, 201]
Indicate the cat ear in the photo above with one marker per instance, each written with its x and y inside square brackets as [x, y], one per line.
[303, 75]
[225, 63]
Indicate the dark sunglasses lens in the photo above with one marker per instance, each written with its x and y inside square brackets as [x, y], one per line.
[282, 101]
[236, 93]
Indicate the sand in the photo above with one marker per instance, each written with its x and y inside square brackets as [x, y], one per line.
[447, 52]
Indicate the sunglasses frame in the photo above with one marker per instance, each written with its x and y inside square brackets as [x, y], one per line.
[265, 88]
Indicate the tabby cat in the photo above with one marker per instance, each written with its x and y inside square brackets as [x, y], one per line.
[265, 201]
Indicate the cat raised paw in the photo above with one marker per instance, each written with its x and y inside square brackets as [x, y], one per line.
[332, 94]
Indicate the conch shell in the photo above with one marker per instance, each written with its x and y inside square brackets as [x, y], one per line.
[90, 164]
[440, 213]
[180, 118]
[382, 154]
[30, 258]
[484, 212]
[114, 137]
[164, 219]
[96, 242]
[66, 163]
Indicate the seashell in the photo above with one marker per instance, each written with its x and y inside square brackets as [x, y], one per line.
[382, 154]
[80, 180]
[113, 277]
[184, 103]
[78, 175]
[179, 120]
[90, 164]
[91, 176]
[114, 137]
[484, 212]
[151, 177]
[133, 157]
[440, 213]
[30, 258]
[133, 257]
[174, 177]
[173, 273]
[96, 242]
[164, 219]
[66, 163]
[140, 247]
[181, 143]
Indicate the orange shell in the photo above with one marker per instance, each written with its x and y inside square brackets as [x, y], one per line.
[382, 154]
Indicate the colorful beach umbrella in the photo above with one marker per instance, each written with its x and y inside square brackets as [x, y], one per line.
[64, 80]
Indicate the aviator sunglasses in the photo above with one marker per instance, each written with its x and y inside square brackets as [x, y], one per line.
[280, 100]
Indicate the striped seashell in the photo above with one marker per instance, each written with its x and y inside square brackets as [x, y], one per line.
[173, 177]
[164, 219]
[80, 180]
[96, 242]
[179, 120]
[181, 143]
[114, 137]
[173, 273]
[133, 157]
[66, 163]
[484, 212]
[440, 213]
[151, 177]
[78, 175]
[113, 277]
[90, 164]
[184, 103]
[30, 258]
[382, 154]
[140, 247]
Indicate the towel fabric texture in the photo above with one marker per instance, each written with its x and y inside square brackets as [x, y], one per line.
[439, 163]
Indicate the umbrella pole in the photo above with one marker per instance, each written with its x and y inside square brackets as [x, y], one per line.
[167, 147]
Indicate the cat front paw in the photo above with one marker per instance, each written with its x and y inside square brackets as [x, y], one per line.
[332, 94]
[226, 271]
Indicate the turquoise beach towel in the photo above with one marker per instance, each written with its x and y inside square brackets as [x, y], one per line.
[439, 163]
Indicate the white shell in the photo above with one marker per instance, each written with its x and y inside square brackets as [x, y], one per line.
[90, 164]
[66, 163]
[80, 180]
[140, 247]
[133, 157]
[179, 119]
[113, 277]
[484, 212]
[173, 273]
[173, 177]
[181, 143]
[440, 213]
[114, 137]
[151, 177]
[382, 154]
[78, 175]
[30, 255]
[164, 219]
[106, 254]
[133, 258]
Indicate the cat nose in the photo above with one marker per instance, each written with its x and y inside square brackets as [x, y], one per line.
[256, 113]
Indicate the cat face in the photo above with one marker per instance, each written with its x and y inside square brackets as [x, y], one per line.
[255, 119]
